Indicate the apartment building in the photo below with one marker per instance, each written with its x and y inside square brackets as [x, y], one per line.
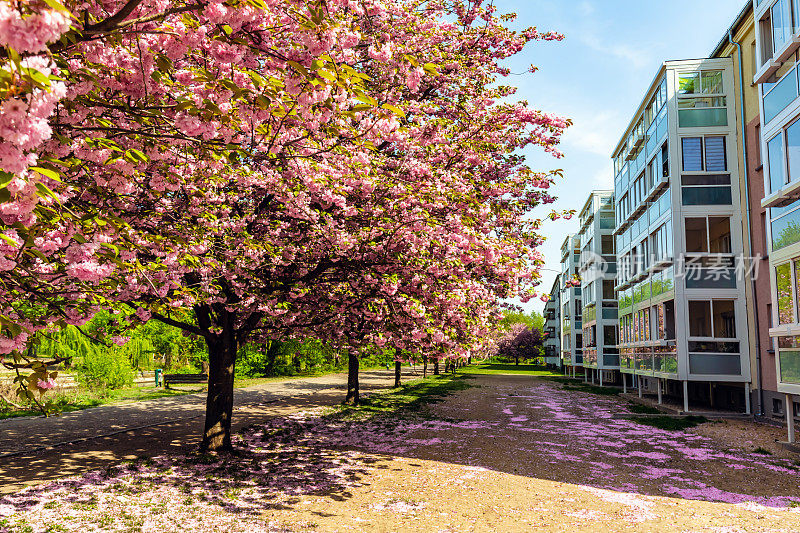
[598, 271]
[739, 43]
[552, 326]
[571, 304]
[682, 302]
[777, 45]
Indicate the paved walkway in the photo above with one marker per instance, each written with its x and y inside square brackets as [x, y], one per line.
[33, 450]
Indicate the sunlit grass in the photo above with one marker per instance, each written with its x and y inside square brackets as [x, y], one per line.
[501, 369]
[412, 397]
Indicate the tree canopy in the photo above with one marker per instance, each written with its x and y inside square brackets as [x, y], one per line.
[266, 169]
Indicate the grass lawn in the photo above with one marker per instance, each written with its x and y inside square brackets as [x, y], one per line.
[501, 368]
[79, 399]
[413, 396]
[671, 423]
[84, 399]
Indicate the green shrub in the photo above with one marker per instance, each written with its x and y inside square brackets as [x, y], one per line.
[106, 368]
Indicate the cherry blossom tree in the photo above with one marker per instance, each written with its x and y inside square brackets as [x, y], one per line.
[343, 169]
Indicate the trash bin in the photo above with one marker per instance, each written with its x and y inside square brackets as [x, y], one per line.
[158, 374]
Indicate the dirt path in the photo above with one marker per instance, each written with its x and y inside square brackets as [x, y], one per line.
[512, 453]
[148, 428]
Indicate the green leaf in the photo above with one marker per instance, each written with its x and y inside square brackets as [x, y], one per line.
[367, 100]
[430, 68]
[52, 174]
[53, 4]
[327, 74]
[299, 68]
[5, 178]
[9, 240]
[44, 190]
[394, 109]
[5, 196]
[411, 59]
[227, 29]
[133, 155]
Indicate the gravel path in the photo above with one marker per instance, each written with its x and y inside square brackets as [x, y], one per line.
[512, 453]
[93, 438]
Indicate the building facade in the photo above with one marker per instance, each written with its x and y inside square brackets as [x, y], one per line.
[682, 301]
[571, 304]
[777, 44]
[552, 326]
[740, 44]
[598, 271]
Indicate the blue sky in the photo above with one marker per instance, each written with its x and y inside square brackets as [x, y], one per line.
[597, 77]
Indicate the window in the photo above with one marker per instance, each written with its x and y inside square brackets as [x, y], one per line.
[714, 319]
[695, 108]
[696, 241]
[778, 95]
[700, 319]
[704, 154]
[765, 32]
[777, 174]
[692, 149]
[789, 360]
[702, 112]
[608, 290]
[708, 235]
[609, 335]
[607, 245]
[785, 297]
[781, 24]
[793, 151]
[777, 406]
[665, 160]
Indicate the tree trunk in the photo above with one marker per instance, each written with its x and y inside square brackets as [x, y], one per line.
[219, 404]
[425, 366]
[435, 367]
[272, 356]
[516, 359]
[352, 397]
[397, 369]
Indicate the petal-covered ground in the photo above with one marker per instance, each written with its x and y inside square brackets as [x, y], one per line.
[511, 453]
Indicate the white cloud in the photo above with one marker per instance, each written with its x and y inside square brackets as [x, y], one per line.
[639, 58]
[596, 134]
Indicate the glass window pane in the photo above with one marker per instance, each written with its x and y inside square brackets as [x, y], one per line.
[783, 283]
[781, 25]
[607, 244]
[702, 118]
[696, 235]
[692, 153]
[700, 103]
[689, 83]
[718, 365]
[781, 95]
[719, 230]
[707, 196]
[700, 319]
[790, 366]
[716, 161]
[777, 178]
[712, 82]
[797, 279]
[793, 150]
[785, 228]
[724, 319]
